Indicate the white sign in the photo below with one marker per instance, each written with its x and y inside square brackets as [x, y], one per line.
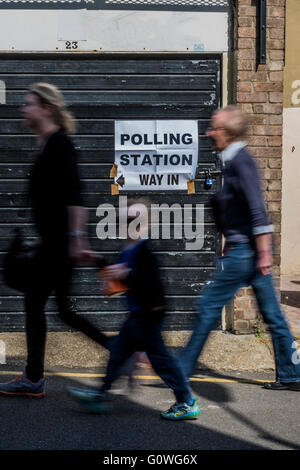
[72, 25]
[112, 30]
[155, 155]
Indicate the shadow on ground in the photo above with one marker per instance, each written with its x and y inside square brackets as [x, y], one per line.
[58, 423]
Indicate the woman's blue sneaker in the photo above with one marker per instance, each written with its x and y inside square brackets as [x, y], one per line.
[21, 386]
[181, 411]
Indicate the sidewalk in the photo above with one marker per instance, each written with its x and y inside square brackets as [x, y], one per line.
[290, 302]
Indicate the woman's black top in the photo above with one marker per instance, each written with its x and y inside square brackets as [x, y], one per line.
[55, 185]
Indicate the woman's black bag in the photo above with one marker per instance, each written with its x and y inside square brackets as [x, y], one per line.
[19, 262]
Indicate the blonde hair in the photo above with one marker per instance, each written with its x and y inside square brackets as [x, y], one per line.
[50, 95]
[237, 122]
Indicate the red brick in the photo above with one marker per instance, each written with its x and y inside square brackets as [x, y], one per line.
[258, 141]
[262, 68]
[276, 250]
[250, 314]
[276, 3]
[247, 108]
[276, 33]
[261, 76]
[276, 55]
[260, 119]
[275, 119]
[241, 326]
[246, 54]
[246, 43]
[273, 195]
[244, 32]
[252, 97]
[276, 76]
[276, 220]
[239, 314]
[275, 22]
[276, 97]
[247, 10]
[252, 76]
[273, 152]
[270, 86]
[244, 86]
[277, 237]
[274, 130]
[261, 163]
[267, 108]
[276, 259]
[246, 22]
[275, 44]
[242, 303]
[259, 130]
[272, 174]
[246, 65]
[274, 206]
[275, 12]
[275, 66]
[275, 141]
[275, 185]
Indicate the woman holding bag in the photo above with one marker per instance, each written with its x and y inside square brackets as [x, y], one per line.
[60, 219]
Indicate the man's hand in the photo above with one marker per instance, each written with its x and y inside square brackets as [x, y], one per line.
[264, 250]
[265, 261]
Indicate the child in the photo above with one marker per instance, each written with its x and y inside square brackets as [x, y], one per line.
[141, 331]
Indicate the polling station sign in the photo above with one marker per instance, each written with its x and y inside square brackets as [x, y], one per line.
[155, 155]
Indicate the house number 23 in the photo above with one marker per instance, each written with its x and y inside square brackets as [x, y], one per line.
[71, 45]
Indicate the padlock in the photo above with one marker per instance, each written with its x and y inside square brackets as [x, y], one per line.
[208, 180]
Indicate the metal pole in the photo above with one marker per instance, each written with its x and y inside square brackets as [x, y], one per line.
[262, 31]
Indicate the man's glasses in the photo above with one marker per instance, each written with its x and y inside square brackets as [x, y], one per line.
[212, 129]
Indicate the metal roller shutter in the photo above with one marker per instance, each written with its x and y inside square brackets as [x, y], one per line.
[100, 90]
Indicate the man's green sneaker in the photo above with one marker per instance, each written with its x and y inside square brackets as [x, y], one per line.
[181, 411]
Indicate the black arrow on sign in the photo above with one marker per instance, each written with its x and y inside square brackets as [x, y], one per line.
[121, 181]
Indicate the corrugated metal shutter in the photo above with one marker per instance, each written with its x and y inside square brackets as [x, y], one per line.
[100, 90]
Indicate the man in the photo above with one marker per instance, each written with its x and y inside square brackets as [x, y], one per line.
[247, 258]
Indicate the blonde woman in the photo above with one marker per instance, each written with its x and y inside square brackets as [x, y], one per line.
[60, 219]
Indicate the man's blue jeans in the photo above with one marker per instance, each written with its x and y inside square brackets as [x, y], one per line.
[237, 268]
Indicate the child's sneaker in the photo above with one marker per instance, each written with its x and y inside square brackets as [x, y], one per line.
[181, 411]
[23, 387]
[91, 399]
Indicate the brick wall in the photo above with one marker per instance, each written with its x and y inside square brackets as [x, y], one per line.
[259, 91]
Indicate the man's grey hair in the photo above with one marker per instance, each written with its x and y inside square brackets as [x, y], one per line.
[236, 123]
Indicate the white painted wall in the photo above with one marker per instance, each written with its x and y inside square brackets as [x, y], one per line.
[113, 31]
[290, 235]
